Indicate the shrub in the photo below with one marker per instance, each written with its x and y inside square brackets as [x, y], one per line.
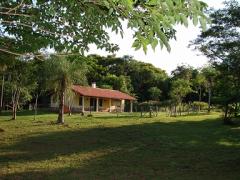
[202, 105]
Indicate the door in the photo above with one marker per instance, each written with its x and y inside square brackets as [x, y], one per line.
[93, 104]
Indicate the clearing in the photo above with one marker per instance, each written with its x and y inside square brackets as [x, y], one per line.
[125, 147]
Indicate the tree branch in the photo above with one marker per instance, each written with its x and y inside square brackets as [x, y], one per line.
[16, 7]
[10, 52]
[29, 26]
[37, 55]
[15, 14]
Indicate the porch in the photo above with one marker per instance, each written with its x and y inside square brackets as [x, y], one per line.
[97, 104]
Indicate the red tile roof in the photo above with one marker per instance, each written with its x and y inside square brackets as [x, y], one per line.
[103, 93]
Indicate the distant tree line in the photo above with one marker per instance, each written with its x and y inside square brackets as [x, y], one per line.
[25, 81]
[27, 75]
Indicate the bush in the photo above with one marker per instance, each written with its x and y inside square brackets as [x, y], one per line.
[202, 105]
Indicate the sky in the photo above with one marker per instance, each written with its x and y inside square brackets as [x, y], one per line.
[180, 53]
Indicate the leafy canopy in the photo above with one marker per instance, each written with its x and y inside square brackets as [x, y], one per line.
[71, 25]
[64, 70]
[221, 43]
[180, 88]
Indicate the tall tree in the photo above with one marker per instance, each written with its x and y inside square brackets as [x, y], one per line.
[183, 72]
[180, 88]
[21, 84]
[210, 74]
[70, 26]
[61, 74]
[221, 43]
[199, 82]
[3, 68]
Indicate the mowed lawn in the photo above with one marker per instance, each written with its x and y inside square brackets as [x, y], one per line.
[125, 147]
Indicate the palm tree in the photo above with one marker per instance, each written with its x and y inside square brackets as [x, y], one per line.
[61, 74]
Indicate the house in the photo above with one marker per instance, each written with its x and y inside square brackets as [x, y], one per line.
[85, 98]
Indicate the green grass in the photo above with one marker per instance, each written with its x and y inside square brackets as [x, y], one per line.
[127, 147]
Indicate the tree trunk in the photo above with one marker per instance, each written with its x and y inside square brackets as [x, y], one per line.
[180, 108]
[15, 100]
[35, 107]
[69, 107]
[61, 103]
[236, 110]
[226, 119]
[14, 112]
[61, 109]
[200, 98]
[14, 104]
[69, 110]
[1, 103]
[175, 110]
[209, 100]
[150, 112]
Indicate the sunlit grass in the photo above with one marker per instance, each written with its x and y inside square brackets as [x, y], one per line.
[125, 147]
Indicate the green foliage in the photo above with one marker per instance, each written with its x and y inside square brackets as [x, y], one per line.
[126, 74]
[106, 86]
[180, 88]
[20, 81]
[200, 104]
[70, 26]
[183, 72]
[154, 93]
[58, 69]
[221, 43]
[121, 83]
[61, 74]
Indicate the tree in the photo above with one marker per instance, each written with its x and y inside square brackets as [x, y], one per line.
[221, 43]
[199, 82]
[70, 26]
[20, 84]
[180, 88]
[2, 72]
[61, 74]
[40, 79]
[210, 74]
[5, 62]
[154, 93]
[183, 72]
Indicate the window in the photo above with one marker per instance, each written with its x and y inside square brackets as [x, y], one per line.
[80, 101]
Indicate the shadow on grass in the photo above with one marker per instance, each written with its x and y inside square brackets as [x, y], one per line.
[168, 150]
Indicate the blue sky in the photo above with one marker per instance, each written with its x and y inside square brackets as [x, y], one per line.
[180, 53]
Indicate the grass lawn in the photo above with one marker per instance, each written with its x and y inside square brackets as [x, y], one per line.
[125, 147]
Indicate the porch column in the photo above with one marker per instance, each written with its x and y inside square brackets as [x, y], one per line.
[122, 105]
[131, 106]
[82, 103]
[110, 104]
[97, 104]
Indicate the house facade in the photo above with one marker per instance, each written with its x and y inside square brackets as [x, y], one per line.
[95, 99]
